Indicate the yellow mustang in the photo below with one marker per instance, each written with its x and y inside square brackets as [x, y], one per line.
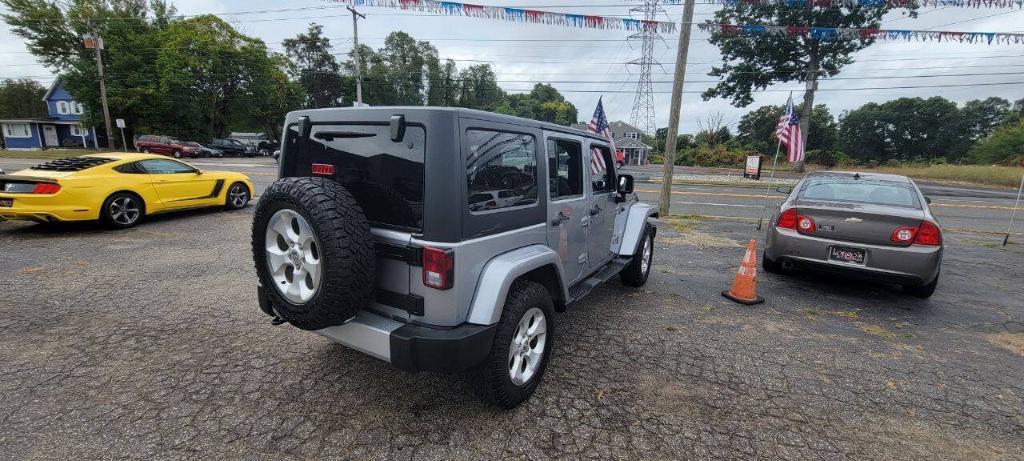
[118, 189]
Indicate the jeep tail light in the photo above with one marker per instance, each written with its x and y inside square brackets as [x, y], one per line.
[928, 234]
[787, 220]
[323, 169]
[904, 234]
[46, 188]
[438, 268]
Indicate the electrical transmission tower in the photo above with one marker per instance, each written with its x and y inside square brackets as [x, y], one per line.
[642, 116]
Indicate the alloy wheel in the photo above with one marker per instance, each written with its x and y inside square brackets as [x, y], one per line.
[526, 353]
[238, 196]
[293, 256]
[125, 211]
[645, 262]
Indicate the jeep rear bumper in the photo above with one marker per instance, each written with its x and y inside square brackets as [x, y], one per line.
[406, 346]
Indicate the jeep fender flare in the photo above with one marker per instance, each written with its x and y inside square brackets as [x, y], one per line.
[498, 274]
[633, 227]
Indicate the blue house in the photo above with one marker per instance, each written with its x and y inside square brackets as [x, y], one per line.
[62, 128]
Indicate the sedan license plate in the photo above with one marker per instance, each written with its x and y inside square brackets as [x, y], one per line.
[6, 202]
[846, 254]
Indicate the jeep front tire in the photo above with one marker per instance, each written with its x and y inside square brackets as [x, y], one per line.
[522, 345]
[635, 274]
[311, 243]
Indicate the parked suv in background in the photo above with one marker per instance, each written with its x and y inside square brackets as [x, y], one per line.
[166, 145]
[444, 239]
[233, 147]
[264, 145]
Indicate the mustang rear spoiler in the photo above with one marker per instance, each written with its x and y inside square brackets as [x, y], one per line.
[17, 178]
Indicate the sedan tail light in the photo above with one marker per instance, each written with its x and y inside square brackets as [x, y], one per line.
[46, 188]
[928, 234]
[903, 234]
[792, 219]
[438, 268]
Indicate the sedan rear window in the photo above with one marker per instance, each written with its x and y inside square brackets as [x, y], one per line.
[860, 191]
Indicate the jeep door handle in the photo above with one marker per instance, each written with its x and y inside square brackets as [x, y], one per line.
[560, 219]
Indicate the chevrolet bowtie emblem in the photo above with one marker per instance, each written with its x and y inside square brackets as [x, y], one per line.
[854, 220]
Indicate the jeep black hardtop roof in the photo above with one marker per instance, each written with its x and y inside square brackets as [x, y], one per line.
[459, 111]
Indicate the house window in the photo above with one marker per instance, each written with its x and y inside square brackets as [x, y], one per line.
[77, 130]
[633, 135]
[62, 107]
[17, 130]
[78, 107]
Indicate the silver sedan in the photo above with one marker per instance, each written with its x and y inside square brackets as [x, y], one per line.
[862, 225]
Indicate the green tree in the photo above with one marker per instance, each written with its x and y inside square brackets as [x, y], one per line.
[315, 67]
[543, 103]
[981, 116]
[904, 129]
[756, 129]
[754, 62]
[22, 99]
[1005, 145]
[478, 88]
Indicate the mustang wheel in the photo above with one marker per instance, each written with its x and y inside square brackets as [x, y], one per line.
[122, 210]
[522, 344]
[312, 243]
[238, 196]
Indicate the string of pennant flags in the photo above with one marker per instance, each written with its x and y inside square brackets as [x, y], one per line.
[832, 33]
[851, 4]
[518, 15]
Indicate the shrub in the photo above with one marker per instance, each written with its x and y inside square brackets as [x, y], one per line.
[718, 156]
[1004, 146]
[828, 158]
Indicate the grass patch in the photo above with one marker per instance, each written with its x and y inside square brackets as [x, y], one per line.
[876, 330]
[45, 154]
[683, 223]
[1013, 342]
[811, 311]
[989, 175]
[848, 314]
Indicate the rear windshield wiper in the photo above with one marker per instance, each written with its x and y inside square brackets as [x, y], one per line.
[331, 135]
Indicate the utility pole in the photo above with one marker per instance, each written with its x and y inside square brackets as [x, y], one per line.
[676, 106]
[97, 45]
[355, 38]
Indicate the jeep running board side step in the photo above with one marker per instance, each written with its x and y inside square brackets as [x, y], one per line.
[585, 286]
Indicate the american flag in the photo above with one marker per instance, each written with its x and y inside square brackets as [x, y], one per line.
[599, 125]
[788, 133]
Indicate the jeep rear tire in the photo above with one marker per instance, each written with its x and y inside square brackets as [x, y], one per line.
[522, 346]
[312, 243]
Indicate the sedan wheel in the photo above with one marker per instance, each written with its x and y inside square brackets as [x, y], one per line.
[122, 210]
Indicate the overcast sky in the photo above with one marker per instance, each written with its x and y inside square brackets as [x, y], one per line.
[564, 63]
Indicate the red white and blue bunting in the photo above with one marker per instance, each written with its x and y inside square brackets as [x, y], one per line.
[831, 33]
[851, 4]
[518, 15]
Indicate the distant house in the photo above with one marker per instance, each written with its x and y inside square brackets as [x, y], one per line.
[628, 140]
[62, 128]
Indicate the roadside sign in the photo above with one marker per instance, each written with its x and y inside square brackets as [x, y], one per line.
[120, 123]
[753, 169]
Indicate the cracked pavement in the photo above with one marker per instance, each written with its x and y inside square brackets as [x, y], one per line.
[148, 344]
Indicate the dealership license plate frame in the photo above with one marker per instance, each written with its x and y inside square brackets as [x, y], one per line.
[853, 250]
[6, 203]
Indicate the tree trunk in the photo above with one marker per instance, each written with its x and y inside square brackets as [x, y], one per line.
[805, 116]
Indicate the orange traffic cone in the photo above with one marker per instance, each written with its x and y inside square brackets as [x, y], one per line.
[744, 286]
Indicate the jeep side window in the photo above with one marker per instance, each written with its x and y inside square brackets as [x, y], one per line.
[501, 170]
[601, 174]
[565, 168]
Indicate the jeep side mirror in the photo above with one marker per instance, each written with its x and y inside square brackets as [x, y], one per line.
[784, 189]
[397, 127]
[304, 127]
[625, 184]
[927, 200]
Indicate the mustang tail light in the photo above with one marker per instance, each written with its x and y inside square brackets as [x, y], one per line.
[928, 234]
[438, 268]
[792, 219]
[46, 188]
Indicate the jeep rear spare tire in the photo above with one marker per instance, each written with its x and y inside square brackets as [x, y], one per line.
[312, 243]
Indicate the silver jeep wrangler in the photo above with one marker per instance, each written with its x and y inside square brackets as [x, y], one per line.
[444, 239]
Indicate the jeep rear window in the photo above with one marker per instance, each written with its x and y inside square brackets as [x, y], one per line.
[386, 177]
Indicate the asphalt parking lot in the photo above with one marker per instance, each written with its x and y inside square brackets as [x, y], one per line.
[147, 343]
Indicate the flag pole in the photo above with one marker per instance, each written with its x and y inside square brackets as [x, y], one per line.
[1014, 214]
[771, 177]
